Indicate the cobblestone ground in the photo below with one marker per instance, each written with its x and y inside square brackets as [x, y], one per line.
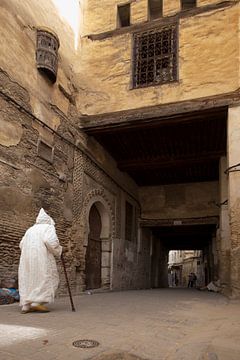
[182, 324]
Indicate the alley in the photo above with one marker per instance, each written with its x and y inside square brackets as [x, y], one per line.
[130, 325]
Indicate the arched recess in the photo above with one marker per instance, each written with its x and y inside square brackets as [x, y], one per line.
[93, 258]
[96, 203]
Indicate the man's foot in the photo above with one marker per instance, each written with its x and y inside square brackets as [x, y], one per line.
[26, 309]
[40, 308]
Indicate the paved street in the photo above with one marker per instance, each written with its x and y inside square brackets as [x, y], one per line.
[131, 325]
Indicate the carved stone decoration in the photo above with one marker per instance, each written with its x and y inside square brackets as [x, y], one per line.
[47, 53]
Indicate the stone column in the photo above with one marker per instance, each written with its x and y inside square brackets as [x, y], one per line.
[234, 197]
[224, 229]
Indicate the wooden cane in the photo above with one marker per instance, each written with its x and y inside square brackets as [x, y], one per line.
[69, 290]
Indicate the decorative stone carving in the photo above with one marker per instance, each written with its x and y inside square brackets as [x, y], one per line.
[47, 53]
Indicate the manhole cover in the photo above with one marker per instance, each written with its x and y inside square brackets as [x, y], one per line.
[85, 344]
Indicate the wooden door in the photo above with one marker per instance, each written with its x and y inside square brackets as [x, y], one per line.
[94, 251]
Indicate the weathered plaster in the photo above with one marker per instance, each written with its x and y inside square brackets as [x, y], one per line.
[171, 7]
[207, 48]
[18, 23]
[10, 132]
[179, 201]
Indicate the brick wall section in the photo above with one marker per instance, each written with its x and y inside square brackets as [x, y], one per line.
[29, 182]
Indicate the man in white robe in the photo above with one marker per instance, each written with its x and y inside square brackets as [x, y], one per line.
[37, 274]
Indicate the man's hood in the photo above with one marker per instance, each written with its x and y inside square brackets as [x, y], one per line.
[44, 218]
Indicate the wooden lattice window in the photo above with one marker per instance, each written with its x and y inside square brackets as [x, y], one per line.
[47, 53]
[155, 56]
[129, 221]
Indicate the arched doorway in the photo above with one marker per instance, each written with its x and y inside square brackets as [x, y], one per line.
[94, 250]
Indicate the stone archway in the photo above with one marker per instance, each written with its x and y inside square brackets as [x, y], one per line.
[93, 259]
[96, 203]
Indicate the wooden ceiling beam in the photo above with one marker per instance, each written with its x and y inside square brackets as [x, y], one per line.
[160, 163]
[92, 124]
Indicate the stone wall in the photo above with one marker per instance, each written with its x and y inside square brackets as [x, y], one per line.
[180, 201]
[234, 197]
[133, 271]
[28, 182]
[98, 20]
[208, 46]
[159, 263]
[223, 239]
[19, 22]
[80, 173]
[65, 188]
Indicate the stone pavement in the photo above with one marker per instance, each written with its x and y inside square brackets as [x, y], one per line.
[182, 324]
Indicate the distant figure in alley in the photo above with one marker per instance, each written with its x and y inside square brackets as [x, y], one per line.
[37, 273]
[192, 279]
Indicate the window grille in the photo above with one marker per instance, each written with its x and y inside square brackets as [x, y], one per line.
[155, 56]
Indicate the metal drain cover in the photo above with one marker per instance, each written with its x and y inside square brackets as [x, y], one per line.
[85, 344]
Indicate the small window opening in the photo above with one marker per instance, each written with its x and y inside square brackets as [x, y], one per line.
[123, 15]
[45, 151]
[129, 222]
[155, 9]
[188, 4]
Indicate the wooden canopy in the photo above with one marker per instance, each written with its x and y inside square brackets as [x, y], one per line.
[179, 148]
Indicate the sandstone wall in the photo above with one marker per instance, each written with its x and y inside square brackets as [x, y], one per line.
[19, 21]
[208, 58]
[100, 19]
[28, 100]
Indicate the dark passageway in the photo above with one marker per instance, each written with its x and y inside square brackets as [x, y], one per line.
[200, 239]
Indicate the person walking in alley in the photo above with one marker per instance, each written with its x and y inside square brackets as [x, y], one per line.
[37, 273]
[192, 280]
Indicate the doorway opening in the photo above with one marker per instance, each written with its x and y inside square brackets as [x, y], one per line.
[94, 249]
[98, 245]
[178, 251]
[186, 268]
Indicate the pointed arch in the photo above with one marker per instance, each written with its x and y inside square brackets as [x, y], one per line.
[98, 198]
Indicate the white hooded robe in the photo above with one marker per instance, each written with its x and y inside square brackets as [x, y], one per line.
[37, 274]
